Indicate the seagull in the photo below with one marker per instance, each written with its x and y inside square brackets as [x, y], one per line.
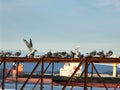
[8, 54]
[93, 53]
[1, 53]
[30, 47]
[59, 54]
[101, 53]
[18, 53]
[71, 54]
[49, 54]
[78, 54]
[64, 54]
[109, 53]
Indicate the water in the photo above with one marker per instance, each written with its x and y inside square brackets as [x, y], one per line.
[29, 66]
[11, 86]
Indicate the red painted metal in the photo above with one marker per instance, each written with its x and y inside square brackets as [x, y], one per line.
[73, 74]
[86, 74]
[79, 60]
[100, 76]
[16, 76]
[3, 75]
[52, 75]
[31, 74]
[40, 78]
[42, 73]
[94, 59]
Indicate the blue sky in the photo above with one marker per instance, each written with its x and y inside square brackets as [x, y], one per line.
[60, 24]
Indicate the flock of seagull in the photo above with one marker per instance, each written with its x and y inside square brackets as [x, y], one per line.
[71, 54]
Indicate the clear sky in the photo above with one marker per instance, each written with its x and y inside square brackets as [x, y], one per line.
[60, 24]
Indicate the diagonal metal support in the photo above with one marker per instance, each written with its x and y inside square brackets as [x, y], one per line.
[73, 74]
[40, 78]
[31, 74]
[2, 60]
[42, 74]
[79, 77]
[3, 75]
[86, 74]
[7, 74]
[52, 75]
[16, 85]
[91, 77]
[99, 76]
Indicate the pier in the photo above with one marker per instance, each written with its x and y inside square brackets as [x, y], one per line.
[86, 61]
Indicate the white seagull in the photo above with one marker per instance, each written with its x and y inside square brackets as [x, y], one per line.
[17, 53]
[1, 53]
[8, 54]
[30, 47]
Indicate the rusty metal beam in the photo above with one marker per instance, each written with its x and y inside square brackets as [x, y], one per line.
[73, 74]
[52, 75]
[1, 60]
[7, 74]
[79, 77]
[16, 85]
[42, 74]
[3, 75]
[47, 67]
[86, 74]
[94, 59]
[40, 78]
[31, 74]
[91, 77]
[100, 76]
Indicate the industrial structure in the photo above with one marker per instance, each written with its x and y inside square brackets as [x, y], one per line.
[86, 61]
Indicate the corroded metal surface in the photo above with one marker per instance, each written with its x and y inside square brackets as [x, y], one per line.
[94, 59]
[85, 60]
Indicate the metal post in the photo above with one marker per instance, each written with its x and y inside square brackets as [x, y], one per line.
[86, 74]
[100, 77]
[73, 74]
[42, 74]
[52, 75]
[16, 76]
[40, 78]
[79, 77]
[3, 75]
[91, 77]
[8, 72]
[30, 74]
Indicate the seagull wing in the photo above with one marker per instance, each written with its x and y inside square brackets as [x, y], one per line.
[31, 42]
[28, 45]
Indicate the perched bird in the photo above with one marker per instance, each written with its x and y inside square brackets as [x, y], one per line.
[101, 54]
[17, 53]
[1, 53]
[71, 54]
[30, 47]
[49, 54]
[92, 54]
[56, 54]
[78, 54]
[109, 53]
[38, 56]
[59, 54]
[64, 54]
[8, 54]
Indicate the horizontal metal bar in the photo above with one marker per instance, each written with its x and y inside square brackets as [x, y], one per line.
[94, 59]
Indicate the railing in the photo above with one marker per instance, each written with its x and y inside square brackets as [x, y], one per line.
[86, 60]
